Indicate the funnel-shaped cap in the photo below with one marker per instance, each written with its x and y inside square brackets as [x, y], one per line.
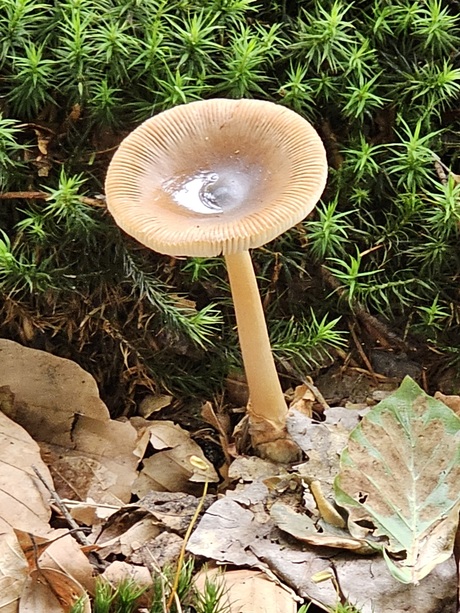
[216, 177]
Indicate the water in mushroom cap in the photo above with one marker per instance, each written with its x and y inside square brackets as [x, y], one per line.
[210, 192]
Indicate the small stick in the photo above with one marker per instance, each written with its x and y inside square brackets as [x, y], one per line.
[79, 534]
[34, 195]
[308, 381]
[444, 172]
[361, 352]
[376, 375]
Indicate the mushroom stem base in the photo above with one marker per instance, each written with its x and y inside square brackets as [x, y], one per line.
[271, 441]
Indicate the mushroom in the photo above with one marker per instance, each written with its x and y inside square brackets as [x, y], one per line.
[222, 177]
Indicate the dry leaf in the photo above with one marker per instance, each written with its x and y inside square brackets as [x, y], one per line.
[170, 469]
[89, 513]
[13, 572]
[220, 421]
[58, 403]
[51, 591]
[252, 468]
[248, 591]
[303, 528]
[452, 401]
[23, 498]
[32, 546]
[118, 572]
[153, 404]
[142, 532]
[303, 400]
[322, 442]
[65, 554]
[103, 465]
[49, 392]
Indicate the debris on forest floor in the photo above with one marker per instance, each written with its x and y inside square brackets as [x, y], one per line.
[281, 521]
[286, 522]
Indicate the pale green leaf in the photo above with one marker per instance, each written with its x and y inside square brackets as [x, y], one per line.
[401, 474]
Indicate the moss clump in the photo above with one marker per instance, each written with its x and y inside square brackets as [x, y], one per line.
[379, 80]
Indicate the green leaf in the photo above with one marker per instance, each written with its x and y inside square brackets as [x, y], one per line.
[401, 472]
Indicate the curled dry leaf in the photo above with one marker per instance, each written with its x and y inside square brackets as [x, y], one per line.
[170, 468]
[303, 400]
[401, 472]
[51, 591]
[65, 554]
[306, 530]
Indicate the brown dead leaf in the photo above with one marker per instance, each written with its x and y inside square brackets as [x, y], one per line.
[219, 420]
[49, 392]
[102, 466]
[65, 554]
[153, 404]
[51, 591]
[32, 546]
[58, 403]
[169, 469]
[118, 572]
[248, 591]
[13, 572]
[43, 140]
[303, 400]
[119, 523]
[23, 498]
[127, 543]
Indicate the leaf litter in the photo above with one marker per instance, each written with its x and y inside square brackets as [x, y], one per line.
[50, 405]
[256, 515]
[283, 522]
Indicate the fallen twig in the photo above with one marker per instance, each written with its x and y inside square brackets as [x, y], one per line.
[79, 534]
[35, 195]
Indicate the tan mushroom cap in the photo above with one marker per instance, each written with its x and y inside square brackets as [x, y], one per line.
[216, 177]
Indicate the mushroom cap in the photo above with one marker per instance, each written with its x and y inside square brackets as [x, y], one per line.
[216, 177]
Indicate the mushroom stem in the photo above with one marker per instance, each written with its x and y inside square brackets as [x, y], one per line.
[267, 401]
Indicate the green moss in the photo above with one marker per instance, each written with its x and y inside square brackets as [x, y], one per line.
[379, 80]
